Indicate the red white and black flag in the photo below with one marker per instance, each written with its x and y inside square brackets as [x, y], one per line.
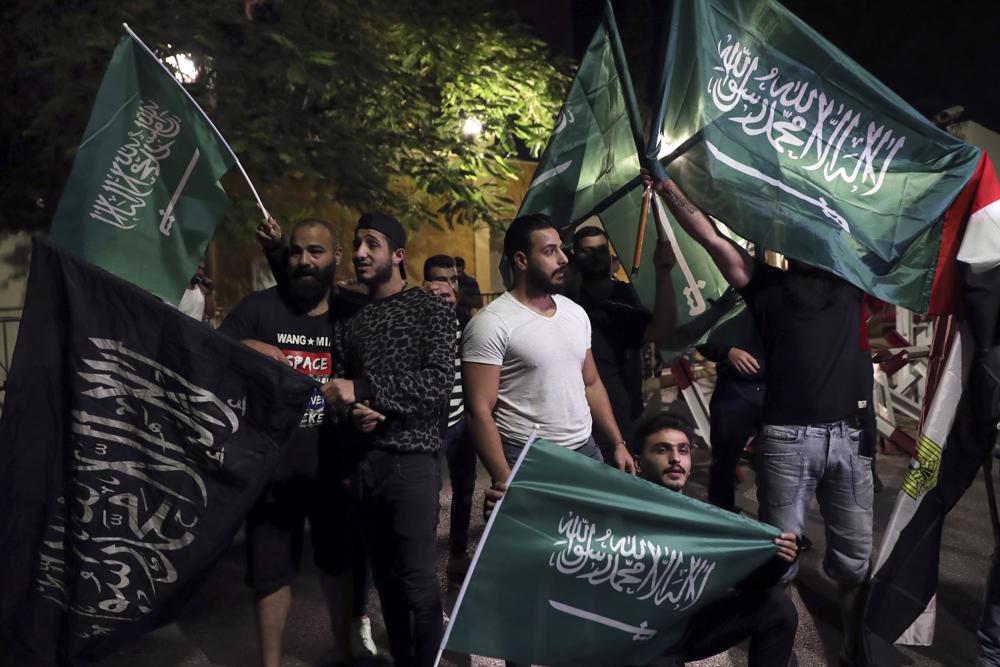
[132, 444]
[958, 422]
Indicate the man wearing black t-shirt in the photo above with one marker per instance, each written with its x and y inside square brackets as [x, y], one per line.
[293, 324]
[620, 327]
[811, 438]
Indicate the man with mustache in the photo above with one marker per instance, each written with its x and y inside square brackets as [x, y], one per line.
[293, 324]
[394, 368]
[811, 440]
[527, 365]
[757, 610]
[441, 278]
[620, 327]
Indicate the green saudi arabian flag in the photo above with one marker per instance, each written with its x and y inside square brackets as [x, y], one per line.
[582, 564]
[590, 170]
[773, 130]
[143, 198]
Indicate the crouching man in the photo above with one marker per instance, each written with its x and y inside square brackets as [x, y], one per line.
[758, 609]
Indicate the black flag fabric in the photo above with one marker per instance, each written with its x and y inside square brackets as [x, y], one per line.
[906, 574]
[133, 442]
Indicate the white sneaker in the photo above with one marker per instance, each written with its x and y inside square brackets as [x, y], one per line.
[362, 644]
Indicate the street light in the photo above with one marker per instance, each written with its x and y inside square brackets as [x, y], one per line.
[471, 127]
[184, 66]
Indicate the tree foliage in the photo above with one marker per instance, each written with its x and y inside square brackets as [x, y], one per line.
[362, 99]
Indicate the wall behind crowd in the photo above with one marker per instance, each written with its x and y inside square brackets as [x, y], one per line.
[232, 262]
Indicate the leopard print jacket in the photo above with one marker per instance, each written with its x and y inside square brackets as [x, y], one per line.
[400, 352]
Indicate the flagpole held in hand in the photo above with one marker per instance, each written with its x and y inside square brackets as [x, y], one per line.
[661, 225]
[480, 546]
[640, 235]
[222, 139]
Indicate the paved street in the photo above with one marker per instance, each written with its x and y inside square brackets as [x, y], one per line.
[218, 626]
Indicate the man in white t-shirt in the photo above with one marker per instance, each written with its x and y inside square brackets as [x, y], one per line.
[527, 365]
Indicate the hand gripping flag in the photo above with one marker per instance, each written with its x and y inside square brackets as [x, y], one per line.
[771, 129]
[133, 442]
[143, 198]
[590, 168]
[581, 565]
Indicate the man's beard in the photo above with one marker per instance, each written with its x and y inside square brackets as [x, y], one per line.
[812, 290]
[595, 266]
[309, 286]
[543, 282]
[381, 275]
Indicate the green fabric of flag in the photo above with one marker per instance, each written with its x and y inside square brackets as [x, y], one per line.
[590, 167]
[585, 565]
[143, 198]
[771, 129]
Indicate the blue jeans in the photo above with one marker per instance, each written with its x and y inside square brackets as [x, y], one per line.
[989, 629]
[796, 462]
[460, 452]
[588, 449]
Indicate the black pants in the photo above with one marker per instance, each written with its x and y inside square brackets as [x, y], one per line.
[735, 412]
[398, 495]
[767, 617]
[458, 449]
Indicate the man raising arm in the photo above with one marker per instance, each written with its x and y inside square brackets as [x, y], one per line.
[811, 441]
[735, 264]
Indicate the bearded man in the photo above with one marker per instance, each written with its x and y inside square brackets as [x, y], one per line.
[394, 367]
[620, 326]
[527, 365]
[293, 324]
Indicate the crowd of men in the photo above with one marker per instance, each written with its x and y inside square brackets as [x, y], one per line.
[407, 377]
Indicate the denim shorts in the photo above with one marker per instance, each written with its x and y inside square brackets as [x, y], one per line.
[796, 462]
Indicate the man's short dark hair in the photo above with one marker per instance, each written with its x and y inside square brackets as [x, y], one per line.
[647, 426]
[316, 222]
[518, 236]
[459, 263]
[586, 233]
[438, 262]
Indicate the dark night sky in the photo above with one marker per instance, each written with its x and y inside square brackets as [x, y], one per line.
[934, 54]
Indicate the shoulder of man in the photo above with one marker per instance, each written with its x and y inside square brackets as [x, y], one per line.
[488, 319]
[764, 276]
[345, 303]
[432, 303]
[622, 293]
[246, 314]
[570, 307]
[261, 300]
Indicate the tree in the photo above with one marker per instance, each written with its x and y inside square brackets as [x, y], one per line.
[363, 99]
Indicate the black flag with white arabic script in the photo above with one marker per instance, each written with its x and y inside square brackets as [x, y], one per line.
[133, 442]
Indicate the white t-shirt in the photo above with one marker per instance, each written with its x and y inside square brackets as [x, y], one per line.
[541, 368]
